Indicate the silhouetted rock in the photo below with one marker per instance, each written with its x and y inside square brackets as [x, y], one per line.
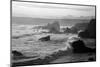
[84, 34]
[91, 59]
[92, 28]
[47, 38]
[79, 47]
[90, 31]
[17, 53]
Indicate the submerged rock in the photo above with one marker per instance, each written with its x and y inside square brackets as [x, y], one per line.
[47, 38]
[79, 47]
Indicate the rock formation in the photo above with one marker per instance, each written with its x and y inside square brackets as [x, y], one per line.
[80, 26]
[90, 31]
[79, 47]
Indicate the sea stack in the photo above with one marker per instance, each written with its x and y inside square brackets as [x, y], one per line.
[90, 31]
[53, 27]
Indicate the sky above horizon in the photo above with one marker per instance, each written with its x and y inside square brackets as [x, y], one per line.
[41, 10]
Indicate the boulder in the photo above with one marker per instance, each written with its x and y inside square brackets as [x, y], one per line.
[47, 38]
[79, 47]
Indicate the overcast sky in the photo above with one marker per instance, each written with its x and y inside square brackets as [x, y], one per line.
[41, 10]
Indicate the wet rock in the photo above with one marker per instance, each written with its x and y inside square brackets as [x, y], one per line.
[47, 38]
[79, 47]
[17, 53]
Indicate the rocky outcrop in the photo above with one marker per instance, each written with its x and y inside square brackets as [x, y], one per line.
[80, 26]
[47, 38]
[79, 47]
[90, 31]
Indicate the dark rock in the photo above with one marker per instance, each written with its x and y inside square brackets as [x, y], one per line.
[79, 47]
[76, 28]
[92, 28]
[71, 30]
[81, 26]
[47, 38]
[67, 30]
[17, 53]
[84, 34]
[90, 31]
[91, 59]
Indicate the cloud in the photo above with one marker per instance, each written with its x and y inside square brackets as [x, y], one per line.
[55, 6]
[50, 10]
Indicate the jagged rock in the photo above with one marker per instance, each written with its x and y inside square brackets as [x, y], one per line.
[90, 31]
[47, 38]
[79, 47]
[17, 53]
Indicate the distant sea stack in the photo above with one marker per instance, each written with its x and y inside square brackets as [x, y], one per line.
[90, 31]
[53, 27]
